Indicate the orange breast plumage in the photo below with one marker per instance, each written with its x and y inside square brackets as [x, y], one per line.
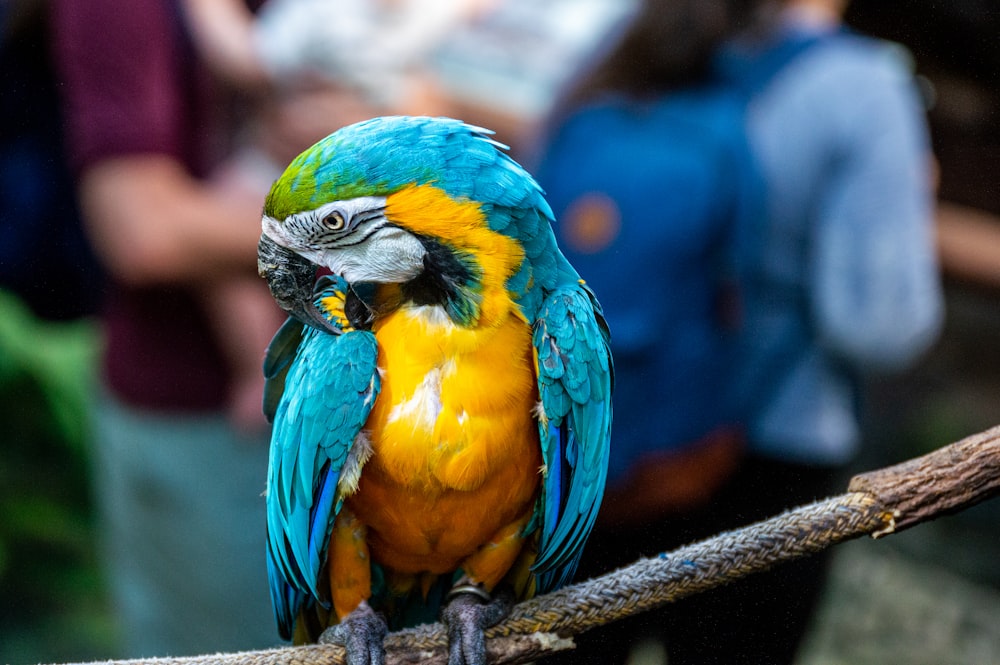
[456, 455]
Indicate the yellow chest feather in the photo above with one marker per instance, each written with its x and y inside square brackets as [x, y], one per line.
[455, 403]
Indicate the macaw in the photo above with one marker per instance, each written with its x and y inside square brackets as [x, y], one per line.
[440, 399]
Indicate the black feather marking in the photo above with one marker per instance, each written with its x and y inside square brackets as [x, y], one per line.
[357, 311]
[450, 279]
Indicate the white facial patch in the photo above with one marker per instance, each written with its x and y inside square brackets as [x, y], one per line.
[366, 249]
[388, 255]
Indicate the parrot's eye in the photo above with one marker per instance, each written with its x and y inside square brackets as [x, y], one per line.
[334, 221]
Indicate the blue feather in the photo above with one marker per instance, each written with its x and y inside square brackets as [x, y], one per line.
[572, 345]
[554, 478]
[285, 599]
[320, 524]
[327, 397]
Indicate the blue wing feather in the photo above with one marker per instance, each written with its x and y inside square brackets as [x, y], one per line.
[285, 598]
[326, 507]
[575, 383]
[328, 392]
[277, 359]
[554, 479]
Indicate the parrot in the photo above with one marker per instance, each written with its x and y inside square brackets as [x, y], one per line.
[440, 394]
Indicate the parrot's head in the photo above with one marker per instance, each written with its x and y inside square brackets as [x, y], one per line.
[431, 204]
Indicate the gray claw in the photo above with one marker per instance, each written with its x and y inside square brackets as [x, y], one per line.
[361, 633]
[467, 616]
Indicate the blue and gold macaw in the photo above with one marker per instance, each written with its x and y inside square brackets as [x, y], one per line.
[441, 402]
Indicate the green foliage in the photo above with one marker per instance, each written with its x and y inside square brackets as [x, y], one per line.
[56, 358]
[54, 602]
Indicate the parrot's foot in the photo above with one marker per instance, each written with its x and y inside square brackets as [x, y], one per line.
[467, 614]
[361, 634]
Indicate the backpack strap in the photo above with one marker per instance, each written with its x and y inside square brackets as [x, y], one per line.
[751, 69]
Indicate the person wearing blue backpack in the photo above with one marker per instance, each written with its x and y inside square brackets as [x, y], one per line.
[674, 211]
[650, 175]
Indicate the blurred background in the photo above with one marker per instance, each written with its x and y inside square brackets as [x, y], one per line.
[930, 595]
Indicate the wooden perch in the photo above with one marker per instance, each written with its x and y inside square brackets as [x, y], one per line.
[876, 504]
[947, 480]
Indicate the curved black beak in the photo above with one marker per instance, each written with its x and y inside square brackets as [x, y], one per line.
[291, 279]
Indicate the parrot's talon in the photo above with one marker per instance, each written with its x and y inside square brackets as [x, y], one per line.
[467, 614]
[361, 633]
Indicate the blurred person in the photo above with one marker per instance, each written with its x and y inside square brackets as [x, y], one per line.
[841, 279]
[648, 170]
[826, 270]
[370, 53]
[649, 173]
[180, 441]
[497, 63]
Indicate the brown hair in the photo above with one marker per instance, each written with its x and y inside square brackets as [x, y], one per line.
[669, 44]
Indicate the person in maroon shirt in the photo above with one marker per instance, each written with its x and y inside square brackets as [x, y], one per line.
[180, 445]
